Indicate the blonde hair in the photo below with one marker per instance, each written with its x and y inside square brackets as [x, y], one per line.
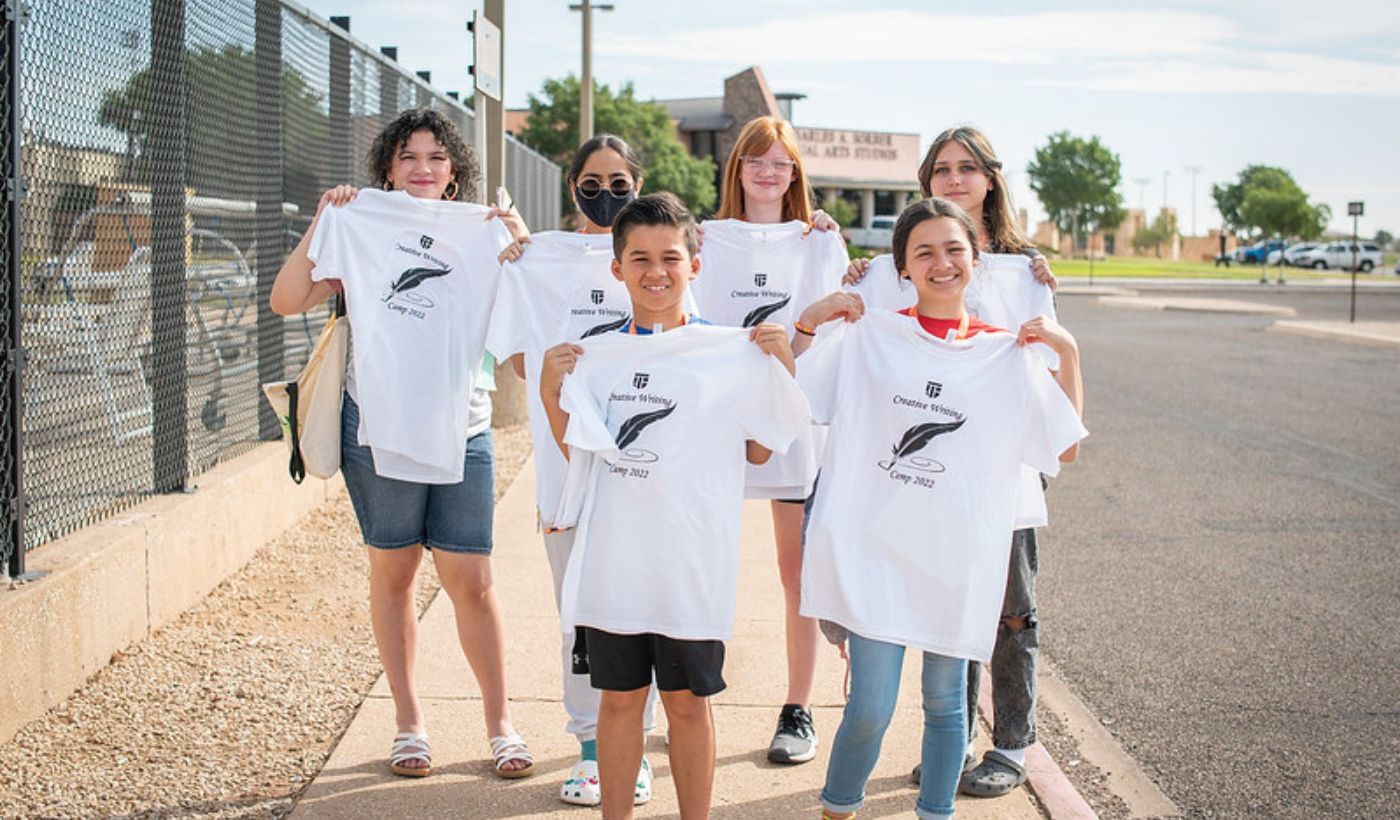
[758, 136]
[998, 217]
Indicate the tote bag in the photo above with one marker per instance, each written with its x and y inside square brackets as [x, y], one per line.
[309, 406]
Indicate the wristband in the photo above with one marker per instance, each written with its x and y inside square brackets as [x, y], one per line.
[803, 329]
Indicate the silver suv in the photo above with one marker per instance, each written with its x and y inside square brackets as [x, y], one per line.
[1338, 256]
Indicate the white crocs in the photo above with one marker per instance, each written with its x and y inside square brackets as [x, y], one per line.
[582, 788]
[642, 795]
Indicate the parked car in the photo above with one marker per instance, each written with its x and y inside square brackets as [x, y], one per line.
[1258, 253]
[1290, 254]
[1338, 256]
[880, 234]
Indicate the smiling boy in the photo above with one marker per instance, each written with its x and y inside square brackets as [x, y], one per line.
[658, 421]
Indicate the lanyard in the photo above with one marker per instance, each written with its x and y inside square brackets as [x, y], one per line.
[632, 326]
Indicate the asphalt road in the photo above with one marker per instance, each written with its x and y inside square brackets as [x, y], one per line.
[1221, 578]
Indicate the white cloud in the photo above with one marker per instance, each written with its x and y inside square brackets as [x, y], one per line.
[1127, 50]
[1285, 73]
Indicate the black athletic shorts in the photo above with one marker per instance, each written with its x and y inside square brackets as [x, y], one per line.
[623, 663]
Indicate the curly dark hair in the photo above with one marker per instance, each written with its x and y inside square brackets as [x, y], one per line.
[466, 171]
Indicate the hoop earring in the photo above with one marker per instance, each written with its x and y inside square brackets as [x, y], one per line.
[454, 189]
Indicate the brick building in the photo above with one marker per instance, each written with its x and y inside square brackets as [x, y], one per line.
[874, 170]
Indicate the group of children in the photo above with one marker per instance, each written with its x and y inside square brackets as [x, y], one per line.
[899, 438]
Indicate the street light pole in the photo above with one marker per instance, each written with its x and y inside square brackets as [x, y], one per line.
[1193, 170]
[585, 83]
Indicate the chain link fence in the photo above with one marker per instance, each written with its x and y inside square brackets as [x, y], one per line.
[173, 151]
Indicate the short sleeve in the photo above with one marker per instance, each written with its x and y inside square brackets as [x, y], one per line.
[588, 429]
[819, 371]
[777, 413]
[508, 334]
[1051, 423]
[326, 250]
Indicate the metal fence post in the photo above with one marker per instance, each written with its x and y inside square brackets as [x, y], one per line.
[342, 166]
[388, 86]
[12, 361]
[170, 426]
[267, 60]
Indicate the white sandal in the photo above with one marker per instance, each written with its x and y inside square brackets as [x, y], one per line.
[507, 748]
[410, 746]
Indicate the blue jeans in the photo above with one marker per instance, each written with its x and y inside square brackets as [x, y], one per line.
[875, 669]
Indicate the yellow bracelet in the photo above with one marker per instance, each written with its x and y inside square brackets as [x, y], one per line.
[803, 329]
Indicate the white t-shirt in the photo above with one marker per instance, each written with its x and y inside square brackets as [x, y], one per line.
[665, 418]
[753, 273]
[561, 289]
[911, 528]
[882, 288]
[1003, 293]
[420, 277]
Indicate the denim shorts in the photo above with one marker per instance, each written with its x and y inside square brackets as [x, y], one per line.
[394, 514]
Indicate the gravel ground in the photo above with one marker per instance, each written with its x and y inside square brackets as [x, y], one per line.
[1088, 779]
[233, 708]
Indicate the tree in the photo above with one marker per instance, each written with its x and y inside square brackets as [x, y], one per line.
[842, 211]
[1163, 229]
[1077, 182]
[220, 126]
[553, 131]
[1230, 200]
[1384, 239]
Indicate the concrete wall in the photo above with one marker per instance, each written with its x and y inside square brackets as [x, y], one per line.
[111, 584]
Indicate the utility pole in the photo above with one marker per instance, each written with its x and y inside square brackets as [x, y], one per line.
[1165, 176]
[494, 153]
[1193, 170]
[1141, 183]
[585, 83]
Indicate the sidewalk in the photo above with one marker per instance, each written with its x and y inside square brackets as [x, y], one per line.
[355, 782]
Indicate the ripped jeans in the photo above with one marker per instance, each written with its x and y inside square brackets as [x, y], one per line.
[1013, 658]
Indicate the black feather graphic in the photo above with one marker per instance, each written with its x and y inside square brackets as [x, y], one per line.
[917, 438]
[758, 314]
[412, 278]
[630, 429]
[606, 327]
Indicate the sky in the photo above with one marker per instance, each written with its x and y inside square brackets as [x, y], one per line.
[1170, 85]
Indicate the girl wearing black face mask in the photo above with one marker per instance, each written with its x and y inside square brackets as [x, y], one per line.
[559, 287]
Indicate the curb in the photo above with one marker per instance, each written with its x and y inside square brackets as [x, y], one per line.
[1058, 796]
[1341, 331]
[1187, 303]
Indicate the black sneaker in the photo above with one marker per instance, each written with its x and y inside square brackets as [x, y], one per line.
[796, 738]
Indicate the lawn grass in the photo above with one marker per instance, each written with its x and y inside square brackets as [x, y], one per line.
[1151, 268]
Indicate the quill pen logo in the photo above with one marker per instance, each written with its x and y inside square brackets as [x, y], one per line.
[916, 438]
[606, 327]
[762, 312]
[633, 427]
[410, 279]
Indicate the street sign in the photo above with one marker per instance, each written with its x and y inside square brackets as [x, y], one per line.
[487, 70]
[1356, 209]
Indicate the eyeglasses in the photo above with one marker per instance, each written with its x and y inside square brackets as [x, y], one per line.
[590, 188]
[782, 166]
